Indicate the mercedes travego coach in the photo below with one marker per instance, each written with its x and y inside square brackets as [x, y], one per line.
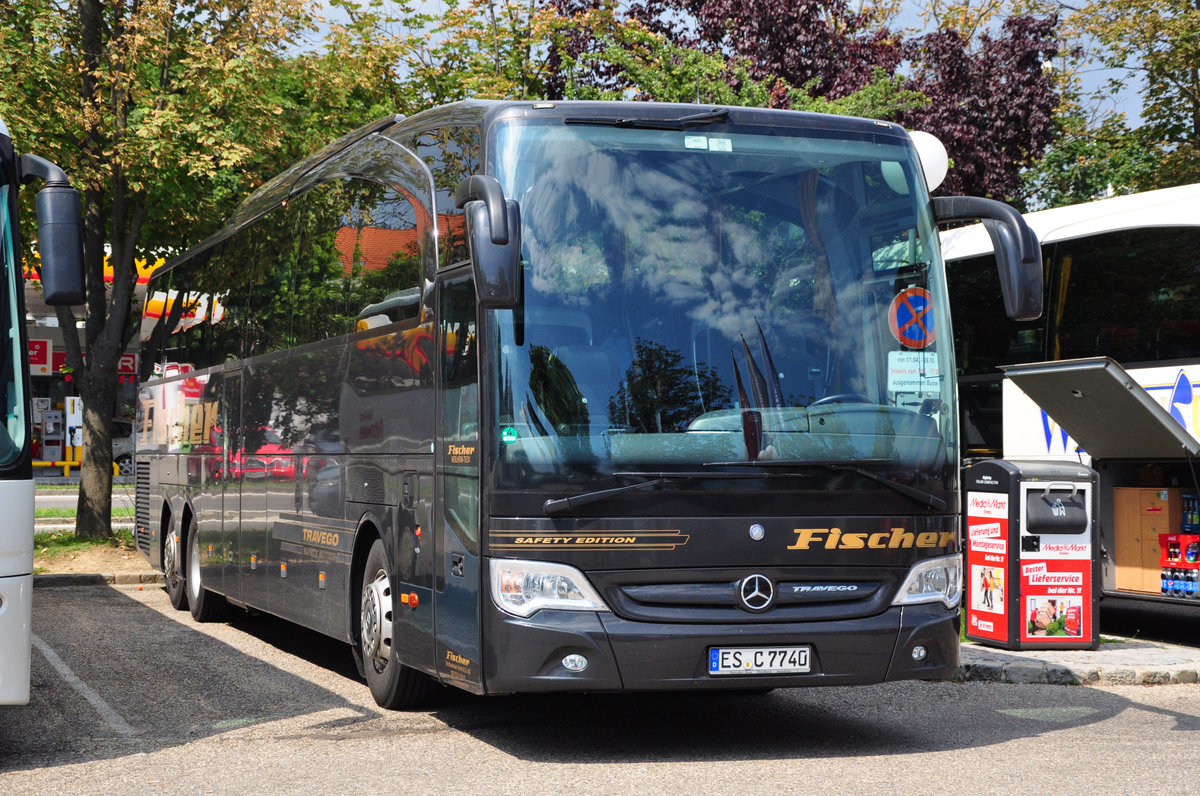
[537, 396]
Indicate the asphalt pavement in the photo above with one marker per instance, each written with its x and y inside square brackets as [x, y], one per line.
[1118, 661]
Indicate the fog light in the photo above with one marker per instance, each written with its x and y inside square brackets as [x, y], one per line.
[919, 653]
[575, 663]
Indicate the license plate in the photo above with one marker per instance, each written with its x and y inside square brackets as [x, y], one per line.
[758, 660]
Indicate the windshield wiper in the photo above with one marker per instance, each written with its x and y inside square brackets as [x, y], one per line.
[924, 498]
[563, 505]
[678, 123]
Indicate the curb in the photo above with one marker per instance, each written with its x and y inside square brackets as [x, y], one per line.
[102, 579]
[1050, 674]
[1176, 665]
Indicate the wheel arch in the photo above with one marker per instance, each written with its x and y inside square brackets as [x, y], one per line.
[185, 512]
[365, 535]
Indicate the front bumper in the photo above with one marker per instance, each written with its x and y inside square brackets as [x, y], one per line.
[525, 655]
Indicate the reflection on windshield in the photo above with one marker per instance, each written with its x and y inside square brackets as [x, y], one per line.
[693, 298]
[12, 377]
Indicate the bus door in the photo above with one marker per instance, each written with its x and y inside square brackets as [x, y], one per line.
[458, 572]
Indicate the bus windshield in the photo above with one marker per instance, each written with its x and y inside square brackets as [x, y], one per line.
[12, 375]
[721, 296]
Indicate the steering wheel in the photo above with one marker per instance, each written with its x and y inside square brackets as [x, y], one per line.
[842, 398]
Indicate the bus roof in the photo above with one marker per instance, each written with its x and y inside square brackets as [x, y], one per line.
[1169, 207]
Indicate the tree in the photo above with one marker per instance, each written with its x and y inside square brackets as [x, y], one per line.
[798, 41]
[992, 102]
[1089, 160]
[633, 58]
[164, 114]
[1155, 42]
[989, 99]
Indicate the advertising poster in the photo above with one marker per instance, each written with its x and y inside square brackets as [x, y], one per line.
[987, 565]
[1055, 582]
[1055, 593]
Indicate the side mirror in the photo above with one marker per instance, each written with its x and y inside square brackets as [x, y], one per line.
[60, 233]
[494, 233]
[1018, 252]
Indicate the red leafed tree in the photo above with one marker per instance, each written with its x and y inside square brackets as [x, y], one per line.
[801, 42]
[992, 104]
[991, 101]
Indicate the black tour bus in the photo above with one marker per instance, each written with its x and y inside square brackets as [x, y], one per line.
[537, 396]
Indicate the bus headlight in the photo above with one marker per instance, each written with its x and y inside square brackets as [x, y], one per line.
[522, 588]
[933, 580]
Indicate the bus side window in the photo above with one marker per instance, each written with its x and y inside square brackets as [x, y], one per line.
[352, 242]
[1130, 295]
[187, 315]
[451, 153]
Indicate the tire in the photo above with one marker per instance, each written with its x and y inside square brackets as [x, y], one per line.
[172, 562]
[393, 685]
[206, 606]
[125, 465]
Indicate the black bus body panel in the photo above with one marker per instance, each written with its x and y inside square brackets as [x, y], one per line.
[638, 656]
[835, 579]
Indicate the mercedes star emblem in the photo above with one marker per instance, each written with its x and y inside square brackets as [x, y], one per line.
[756, 593]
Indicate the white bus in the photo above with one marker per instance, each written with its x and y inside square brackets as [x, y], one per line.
[1122, 281]
[62, 281]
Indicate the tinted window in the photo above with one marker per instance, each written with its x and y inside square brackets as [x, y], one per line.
[1131, 295]
[12, 378]
[328, 264]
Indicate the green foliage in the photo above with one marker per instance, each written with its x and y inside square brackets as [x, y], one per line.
[657, 70]
[1156, 44]
[1090, 162]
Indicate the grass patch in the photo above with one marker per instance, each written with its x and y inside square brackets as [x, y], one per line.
[41, 487]
[118, 513]
[61, 543]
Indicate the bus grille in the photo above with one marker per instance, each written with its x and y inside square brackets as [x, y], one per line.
[141, 511]
[712, 596]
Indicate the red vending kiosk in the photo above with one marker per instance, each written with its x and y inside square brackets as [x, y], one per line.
[1031, 565]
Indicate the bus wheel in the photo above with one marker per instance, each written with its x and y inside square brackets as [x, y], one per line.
[204, 604]
[172, 569]
[393, 685]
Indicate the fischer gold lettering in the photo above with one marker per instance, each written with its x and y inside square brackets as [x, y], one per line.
[895, 539]
[805, 537]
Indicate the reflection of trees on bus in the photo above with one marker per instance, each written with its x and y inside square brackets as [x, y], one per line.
[661, 392]
[555, 392]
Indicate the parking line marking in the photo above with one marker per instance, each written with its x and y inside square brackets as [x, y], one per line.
[119, 725]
